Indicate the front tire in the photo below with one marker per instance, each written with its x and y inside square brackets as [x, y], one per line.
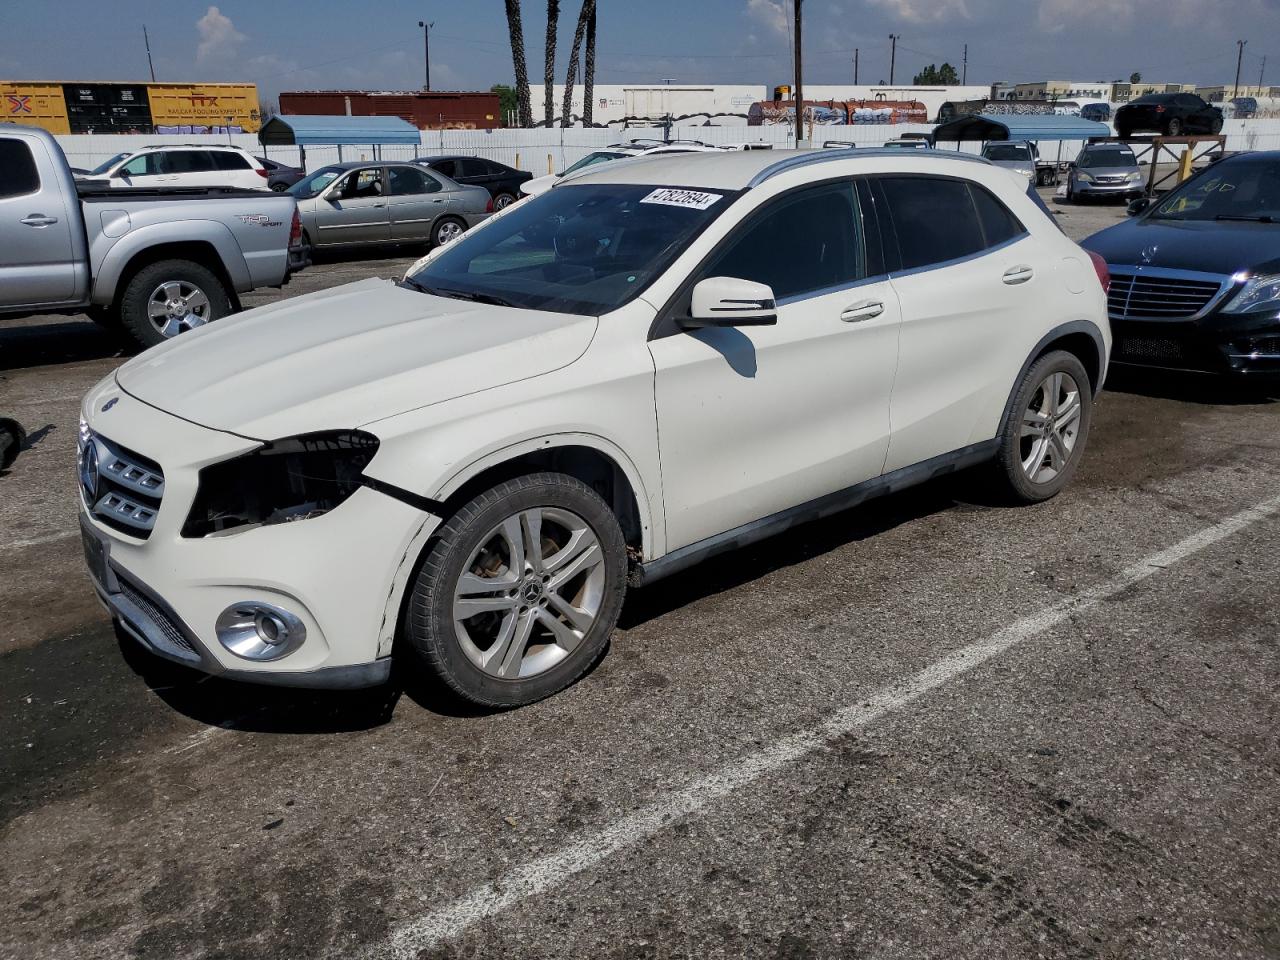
[518, 594]
[171, 297]
[1046, 430]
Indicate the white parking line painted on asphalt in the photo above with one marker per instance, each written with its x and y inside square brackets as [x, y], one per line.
[550, 871]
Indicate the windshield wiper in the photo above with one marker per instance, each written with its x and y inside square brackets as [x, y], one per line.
[415, 285]
[1258, 218]
[474, 297]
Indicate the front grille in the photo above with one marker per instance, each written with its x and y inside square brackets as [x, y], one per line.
[123, 489]
[1160, 296]
[1156, 350]
[165, 633]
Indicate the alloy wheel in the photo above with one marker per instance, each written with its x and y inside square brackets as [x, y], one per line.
[449, 230]
[502, 201]
[530, 593]
[1050, 427]
[177, 306]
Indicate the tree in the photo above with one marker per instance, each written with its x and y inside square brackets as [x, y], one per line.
[506, 101]
[1135, 78]
[579, 32]
[549, 73]
[524, 109]
[589, 68]
[932, 76]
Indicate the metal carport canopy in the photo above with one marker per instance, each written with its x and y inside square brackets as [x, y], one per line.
[307, 130]
[989, 126]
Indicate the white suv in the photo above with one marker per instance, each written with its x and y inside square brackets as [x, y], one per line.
[619, 151]
[641, 368]
[182, 165]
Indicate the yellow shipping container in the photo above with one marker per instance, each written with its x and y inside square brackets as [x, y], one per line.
[205, 104]
[37, 105]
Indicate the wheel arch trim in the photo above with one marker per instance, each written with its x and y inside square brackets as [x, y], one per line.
[1060, 332]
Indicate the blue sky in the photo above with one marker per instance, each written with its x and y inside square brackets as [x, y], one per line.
[328, 44]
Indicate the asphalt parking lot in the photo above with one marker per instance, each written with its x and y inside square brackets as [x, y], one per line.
[928, 727]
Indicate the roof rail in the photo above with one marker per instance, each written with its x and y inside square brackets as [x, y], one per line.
[826, 156]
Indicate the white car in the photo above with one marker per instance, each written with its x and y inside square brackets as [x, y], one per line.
[645, 367]
[618, 151]
[182, 165]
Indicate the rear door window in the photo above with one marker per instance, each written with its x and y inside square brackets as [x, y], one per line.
[227, 160]
[800, 244]
[408, 181]
[934, 220]
[18, 174]
[444, 166]
[470, 167]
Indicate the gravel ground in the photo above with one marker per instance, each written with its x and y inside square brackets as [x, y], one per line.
[928, 727]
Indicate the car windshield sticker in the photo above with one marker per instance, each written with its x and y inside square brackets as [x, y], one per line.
[682, 198]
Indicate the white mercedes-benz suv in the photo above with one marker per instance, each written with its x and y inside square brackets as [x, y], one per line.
[645, 366]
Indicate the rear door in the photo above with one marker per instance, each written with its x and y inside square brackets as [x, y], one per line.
[144, 170]
[37, 260]
[190, 168]
[414, 200]
[354, 210]
[967, 279]
[236, 170]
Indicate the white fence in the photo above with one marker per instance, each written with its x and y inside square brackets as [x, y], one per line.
[544, 150]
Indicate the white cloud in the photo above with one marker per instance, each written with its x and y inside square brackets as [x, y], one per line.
[924, 11]
[219, 38]
[772, 14]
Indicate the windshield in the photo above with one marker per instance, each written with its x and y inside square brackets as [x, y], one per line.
[1243, 190]
[600, 156]
[1007, 151]
[102, 168]
[1093, 159]
[308, 187]
[584, 249]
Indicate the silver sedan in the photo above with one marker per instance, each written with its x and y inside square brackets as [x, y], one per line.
[362, 203]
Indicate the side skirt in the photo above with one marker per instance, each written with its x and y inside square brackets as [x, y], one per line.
[643, 574]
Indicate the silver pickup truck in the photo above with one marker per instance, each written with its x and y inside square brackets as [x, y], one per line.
[153, 262]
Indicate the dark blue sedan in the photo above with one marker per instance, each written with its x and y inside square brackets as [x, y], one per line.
[1195, 277]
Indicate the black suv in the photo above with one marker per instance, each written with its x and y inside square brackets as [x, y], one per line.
[502, 182]
[1173, 114]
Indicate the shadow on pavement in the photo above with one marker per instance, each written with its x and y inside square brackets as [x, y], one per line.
[40, 344]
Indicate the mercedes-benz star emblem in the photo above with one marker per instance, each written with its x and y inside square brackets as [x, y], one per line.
[1148, 253]
[89, 470]
[110, 403]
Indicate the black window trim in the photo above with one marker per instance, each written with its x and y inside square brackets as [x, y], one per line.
[899, 271]
[667, 322]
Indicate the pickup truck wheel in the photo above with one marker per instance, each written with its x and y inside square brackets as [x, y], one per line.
[1046, 430]
[447, 229]
[169, 298]
[517, 596]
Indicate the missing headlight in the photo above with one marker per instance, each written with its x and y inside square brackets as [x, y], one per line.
[281, 481]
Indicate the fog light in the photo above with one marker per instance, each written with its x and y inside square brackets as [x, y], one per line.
[259, 631]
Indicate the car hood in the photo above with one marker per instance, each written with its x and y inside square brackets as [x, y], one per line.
[1120, 171]
[1206, 246]
[345, 357]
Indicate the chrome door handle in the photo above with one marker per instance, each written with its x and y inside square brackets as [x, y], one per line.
[378, 205]
[38, 220]
[1019, 274]
[862, 311]
[437, 201]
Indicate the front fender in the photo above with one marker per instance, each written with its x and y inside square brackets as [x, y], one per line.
[111, 256]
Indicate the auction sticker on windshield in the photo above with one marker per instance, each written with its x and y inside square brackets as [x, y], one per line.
[682, 198]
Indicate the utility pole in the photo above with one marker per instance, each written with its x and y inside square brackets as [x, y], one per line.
[1261, 70]
[964, 70]
[799, 81]
[855, 66]
[426, 53]
[150, 66]
[1239, 58]
[893, 54]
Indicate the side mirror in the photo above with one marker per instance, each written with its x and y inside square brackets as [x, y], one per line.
[1137, 206]
[120, 175]
[730, 302]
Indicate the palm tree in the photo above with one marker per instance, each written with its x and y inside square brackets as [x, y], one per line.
[516, 29]
[590, 68]
[583, 16]
[549, 76]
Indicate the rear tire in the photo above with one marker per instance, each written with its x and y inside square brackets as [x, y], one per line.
[447, 229]
[1124, 133]
[195, 289]
[542, 616]
[1173, 128]
[1215, 126]
[1044, 435]
[503, 200]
